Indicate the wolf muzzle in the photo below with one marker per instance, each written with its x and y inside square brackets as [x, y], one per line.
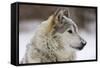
[83, 43]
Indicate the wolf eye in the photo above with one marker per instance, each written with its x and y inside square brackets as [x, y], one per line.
[70, 31]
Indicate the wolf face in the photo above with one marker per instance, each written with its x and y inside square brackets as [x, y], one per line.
[68, 30]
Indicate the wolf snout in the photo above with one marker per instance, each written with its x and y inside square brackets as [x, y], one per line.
[83, 42]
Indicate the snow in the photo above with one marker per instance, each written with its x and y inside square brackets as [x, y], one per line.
[88, 53]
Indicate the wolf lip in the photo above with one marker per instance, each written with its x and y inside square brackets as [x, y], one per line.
[78, 48]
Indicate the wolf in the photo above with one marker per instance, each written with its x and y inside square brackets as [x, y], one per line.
[57, 39]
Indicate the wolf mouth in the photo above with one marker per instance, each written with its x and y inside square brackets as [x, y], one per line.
[78, 48]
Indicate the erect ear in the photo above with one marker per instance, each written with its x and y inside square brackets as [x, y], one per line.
[60, 21]
[59, 13]
[66, 12]
[56, 13]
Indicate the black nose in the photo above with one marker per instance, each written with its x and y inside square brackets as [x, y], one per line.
[83, 42]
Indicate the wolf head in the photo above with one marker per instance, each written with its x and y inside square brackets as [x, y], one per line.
[68, 30]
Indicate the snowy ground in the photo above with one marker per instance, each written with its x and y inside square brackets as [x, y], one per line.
[27, 32]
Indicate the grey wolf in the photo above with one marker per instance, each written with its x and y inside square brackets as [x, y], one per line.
[55, 40]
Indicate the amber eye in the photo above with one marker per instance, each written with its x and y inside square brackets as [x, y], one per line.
[70, 31]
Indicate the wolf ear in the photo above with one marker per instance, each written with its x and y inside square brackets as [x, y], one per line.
[59, 13]
[66, 13]
[59, 20]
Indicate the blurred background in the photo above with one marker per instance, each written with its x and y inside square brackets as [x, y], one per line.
[30, 16]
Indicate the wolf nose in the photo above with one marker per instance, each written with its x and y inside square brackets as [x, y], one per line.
[83, 43]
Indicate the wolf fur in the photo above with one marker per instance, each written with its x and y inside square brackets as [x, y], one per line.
[53, 41]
